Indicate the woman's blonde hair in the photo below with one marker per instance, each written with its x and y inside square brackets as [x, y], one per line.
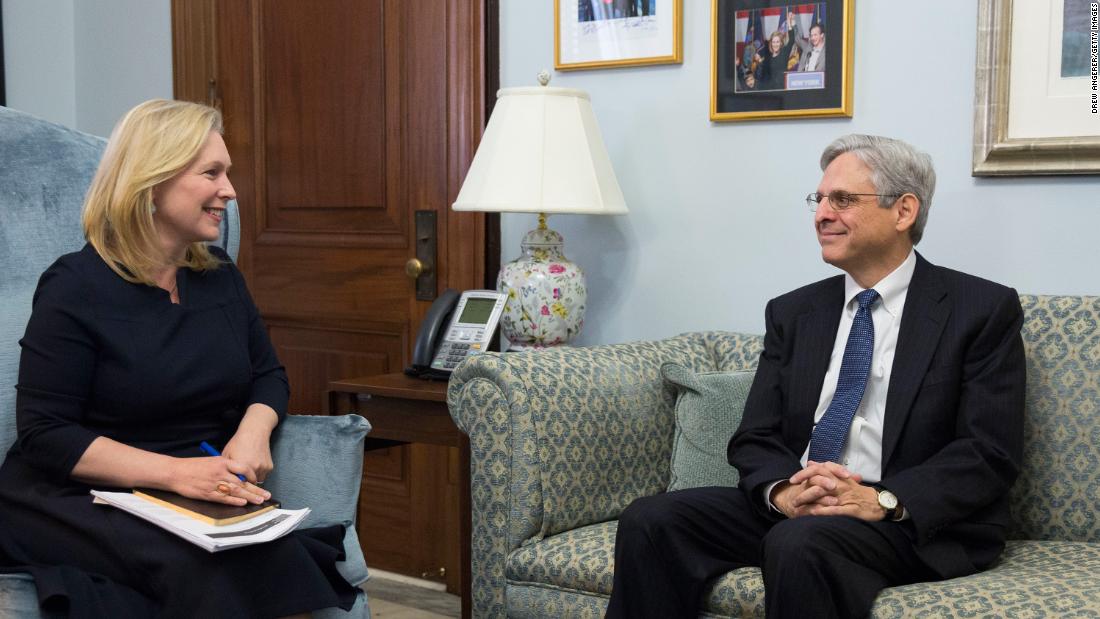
[151, 144]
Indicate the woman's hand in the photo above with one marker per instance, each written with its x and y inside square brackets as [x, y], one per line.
[215, 479]
[251, 444]
[253, 450]
[108, 462]
[248, 453]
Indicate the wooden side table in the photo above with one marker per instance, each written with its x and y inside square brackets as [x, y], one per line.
[410, 410]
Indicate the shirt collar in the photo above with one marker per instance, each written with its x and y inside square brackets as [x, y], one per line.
[891, 289]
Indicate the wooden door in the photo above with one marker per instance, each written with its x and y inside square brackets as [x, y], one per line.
[343, 118]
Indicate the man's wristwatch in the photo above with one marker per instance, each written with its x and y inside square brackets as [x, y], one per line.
[889, 502]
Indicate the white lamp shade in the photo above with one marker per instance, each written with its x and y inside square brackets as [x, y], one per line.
[542, 153]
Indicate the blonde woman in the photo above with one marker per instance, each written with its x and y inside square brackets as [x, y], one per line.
[774, 61]
[140, 346]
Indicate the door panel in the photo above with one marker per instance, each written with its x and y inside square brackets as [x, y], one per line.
[393, 494]
[312, 353]
[324, 139]
[343, 118]
[337, 283]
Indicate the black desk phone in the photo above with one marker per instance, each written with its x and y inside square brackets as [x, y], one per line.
[456, 326]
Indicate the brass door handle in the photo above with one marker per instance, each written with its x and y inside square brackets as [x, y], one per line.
[414, 268]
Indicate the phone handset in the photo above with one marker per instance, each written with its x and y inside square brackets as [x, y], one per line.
[435, 321]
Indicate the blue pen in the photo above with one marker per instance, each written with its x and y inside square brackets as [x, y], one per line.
[209, 449]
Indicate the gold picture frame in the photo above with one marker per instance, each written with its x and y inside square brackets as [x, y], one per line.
[994, 152]
[752, 78]
[593, 34]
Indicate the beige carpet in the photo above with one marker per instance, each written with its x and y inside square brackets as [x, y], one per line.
[390, 599]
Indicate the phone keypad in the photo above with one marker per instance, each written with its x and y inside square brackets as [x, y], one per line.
[452, 353]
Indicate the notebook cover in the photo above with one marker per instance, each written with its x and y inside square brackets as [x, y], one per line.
[210, 513]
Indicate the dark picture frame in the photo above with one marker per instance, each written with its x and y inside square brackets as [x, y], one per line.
[767, 59]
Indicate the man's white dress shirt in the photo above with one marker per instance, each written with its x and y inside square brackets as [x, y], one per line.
[815, 57]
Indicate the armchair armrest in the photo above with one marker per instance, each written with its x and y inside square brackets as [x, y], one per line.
[559, 439]
[319, 464]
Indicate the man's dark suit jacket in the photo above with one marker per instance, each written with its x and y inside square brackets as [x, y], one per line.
[952, 441]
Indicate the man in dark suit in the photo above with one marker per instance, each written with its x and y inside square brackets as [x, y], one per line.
[881, 435]
[812, 56]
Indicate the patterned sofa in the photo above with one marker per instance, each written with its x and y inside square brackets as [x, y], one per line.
[563, 440]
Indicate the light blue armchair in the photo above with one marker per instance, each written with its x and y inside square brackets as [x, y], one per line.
[45, 170]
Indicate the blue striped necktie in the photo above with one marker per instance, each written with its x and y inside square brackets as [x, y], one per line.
[832, 431]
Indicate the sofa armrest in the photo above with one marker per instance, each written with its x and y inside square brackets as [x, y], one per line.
[561, 438]
[319, 464]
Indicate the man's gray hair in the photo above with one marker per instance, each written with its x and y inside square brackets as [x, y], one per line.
[896, 168]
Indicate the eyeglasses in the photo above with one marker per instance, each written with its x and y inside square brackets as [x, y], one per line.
[841, 200]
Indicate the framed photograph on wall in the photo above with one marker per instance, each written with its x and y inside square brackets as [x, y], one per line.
[1036, 101]
[774, 59]
[592, 34]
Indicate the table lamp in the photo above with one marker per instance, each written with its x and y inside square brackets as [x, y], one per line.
[542, 153]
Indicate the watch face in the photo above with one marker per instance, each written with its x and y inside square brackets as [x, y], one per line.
[887, 500]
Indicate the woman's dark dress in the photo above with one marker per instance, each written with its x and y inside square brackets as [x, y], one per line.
[104, 357]
[775, 66]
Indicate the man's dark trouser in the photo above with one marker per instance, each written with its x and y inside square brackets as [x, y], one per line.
[669, 546]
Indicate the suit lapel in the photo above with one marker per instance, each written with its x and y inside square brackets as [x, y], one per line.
[922, 322]
[817, 331]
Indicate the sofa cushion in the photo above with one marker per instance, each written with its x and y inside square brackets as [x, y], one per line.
[1032, 579]
[534, 601]
[554, 571]
[708, 411]
[578, 560]
[737, 593]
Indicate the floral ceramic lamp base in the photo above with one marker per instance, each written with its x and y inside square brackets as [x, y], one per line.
[546, 293]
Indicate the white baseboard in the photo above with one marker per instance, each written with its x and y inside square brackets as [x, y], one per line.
[408, 580]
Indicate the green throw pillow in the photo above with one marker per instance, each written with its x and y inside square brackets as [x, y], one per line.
[708, 411]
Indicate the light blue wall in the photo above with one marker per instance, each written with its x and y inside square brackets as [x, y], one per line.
[717, 222]
[120, 62]
[84, 63]
[39, 59]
